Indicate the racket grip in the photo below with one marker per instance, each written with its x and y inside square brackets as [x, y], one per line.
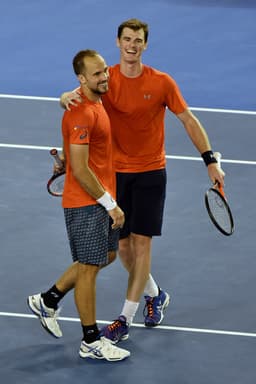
[218, 156]
[54, 153]
[221, 190]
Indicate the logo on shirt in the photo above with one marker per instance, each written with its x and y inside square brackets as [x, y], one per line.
[84, 131]
[147, 96]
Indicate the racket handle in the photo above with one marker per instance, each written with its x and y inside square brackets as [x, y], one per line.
[54, 153]
[218, 156]
[221, 190]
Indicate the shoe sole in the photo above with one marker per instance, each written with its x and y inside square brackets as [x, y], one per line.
[165, 305]
[36, 312]
[123, 338]
[86, 355]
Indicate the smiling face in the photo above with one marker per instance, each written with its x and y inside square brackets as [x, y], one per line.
[132, 44]
[95, 75]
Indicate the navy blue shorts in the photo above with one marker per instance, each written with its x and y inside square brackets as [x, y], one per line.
[142, 196]
[90, 234]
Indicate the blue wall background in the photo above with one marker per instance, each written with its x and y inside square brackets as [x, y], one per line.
[208, 46]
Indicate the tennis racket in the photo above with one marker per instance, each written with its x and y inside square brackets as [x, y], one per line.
[218, 207]
[55, 184]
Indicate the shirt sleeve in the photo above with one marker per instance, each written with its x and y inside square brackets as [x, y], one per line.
[174, 99]
[79, 127]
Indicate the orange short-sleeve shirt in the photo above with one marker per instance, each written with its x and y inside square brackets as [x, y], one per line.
[136, 108]
[88, 124]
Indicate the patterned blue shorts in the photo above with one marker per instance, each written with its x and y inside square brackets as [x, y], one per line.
[90, 234]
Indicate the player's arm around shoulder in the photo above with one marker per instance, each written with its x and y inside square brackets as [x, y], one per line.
[70, 98]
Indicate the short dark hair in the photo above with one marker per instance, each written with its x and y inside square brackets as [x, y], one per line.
[78, 60]
[135, 25]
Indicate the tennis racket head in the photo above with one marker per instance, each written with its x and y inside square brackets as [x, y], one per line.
[55, 184]
[219, 211]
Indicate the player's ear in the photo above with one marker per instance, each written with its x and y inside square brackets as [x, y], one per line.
[81, 79]
[118, 42]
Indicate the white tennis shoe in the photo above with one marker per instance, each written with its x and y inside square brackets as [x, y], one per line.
[48, 316]
[103, 349]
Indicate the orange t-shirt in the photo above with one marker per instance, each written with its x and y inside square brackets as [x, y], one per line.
[136, 108]
[89, 124]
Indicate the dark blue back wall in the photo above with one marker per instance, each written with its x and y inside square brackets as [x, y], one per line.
[207, 46]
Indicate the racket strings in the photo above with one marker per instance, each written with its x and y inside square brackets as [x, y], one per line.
[57, 185]
[220, 211]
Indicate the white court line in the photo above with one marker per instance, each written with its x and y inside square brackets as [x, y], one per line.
[137, 325]
[247, 162]
[174, 157]
[216, 110]
[21, 146]
[3, 96]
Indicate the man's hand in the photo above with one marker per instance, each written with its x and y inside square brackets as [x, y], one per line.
[57, 168]
[70, 98]
[117, 216]
[216, 174]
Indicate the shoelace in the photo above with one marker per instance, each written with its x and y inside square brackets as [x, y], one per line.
[149, 306]
[113, 327]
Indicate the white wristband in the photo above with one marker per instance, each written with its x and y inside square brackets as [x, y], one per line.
[107, 201]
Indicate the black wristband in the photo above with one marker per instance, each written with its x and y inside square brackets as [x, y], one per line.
[208, 157]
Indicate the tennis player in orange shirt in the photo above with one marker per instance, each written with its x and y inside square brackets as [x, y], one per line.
[136, 104]
[92, 216]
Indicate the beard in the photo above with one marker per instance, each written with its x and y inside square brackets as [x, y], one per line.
[101, 89]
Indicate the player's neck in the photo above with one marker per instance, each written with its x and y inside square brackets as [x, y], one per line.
[94, 97]
[131, 69]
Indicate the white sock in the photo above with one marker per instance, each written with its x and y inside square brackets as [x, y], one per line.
[129, 310]
[151, 288]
